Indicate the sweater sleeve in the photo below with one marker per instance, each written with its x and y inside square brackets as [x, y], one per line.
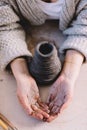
[77, 32]
[12, 36]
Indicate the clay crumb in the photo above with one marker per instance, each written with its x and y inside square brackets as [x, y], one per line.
[1, 80]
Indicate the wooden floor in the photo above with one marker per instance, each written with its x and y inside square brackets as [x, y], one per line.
[73, 118]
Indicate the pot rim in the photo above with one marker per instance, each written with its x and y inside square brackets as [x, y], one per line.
[43, 43]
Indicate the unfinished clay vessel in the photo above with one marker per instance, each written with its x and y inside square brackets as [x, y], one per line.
[45, 65]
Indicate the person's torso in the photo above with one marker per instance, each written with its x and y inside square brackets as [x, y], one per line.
[33, 13]
[38, 11]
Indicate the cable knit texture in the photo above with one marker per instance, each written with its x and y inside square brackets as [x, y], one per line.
[72, 21]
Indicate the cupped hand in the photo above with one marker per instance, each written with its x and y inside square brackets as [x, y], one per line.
[28, 95]
[60, 96]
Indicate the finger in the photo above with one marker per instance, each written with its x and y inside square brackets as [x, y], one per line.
[50, 98]
[57, 111]
[43, 107]
[51, 118]
[54, 109]
[57, 104]
[24, 103]
[45, 110]
[37, 96]
[37, 115]
[38, 110]
[65, 105]
[42, 104]
[51, 105]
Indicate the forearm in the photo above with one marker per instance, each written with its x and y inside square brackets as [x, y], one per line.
[72, 64]
[19, 67]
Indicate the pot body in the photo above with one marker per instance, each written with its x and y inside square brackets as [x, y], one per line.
[45, 65]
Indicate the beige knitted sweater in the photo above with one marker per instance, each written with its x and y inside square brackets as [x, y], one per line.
[73, 22]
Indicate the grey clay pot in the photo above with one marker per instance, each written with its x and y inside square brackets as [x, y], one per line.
[45, 65]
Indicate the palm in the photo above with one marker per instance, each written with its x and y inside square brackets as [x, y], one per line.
[60, 95]
[28, 95]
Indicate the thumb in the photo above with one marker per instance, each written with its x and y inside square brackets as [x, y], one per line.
[24, 102]
[50, 98]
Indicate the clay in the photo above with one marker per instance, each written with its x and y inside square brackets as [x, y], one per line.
[45, 65]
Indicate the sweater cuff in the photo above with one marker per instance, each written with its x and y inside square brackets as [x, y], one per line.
[78, 43]
[4, 63]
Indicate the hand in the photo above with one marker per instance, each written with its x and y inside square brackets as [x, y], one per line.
[60, 96]
[28, 95]
[27, 90]
[61, 92]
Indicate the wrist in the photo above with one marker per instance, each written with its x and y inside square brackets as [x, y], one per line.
[72, 64]
[19, 67]
[74, 57]
[70, 71]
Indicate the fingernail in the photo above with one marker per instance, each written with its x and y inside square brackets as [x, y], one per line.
[47, 116]
[48, 111]
[48, 120]
[41, 117]
[44, 119]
